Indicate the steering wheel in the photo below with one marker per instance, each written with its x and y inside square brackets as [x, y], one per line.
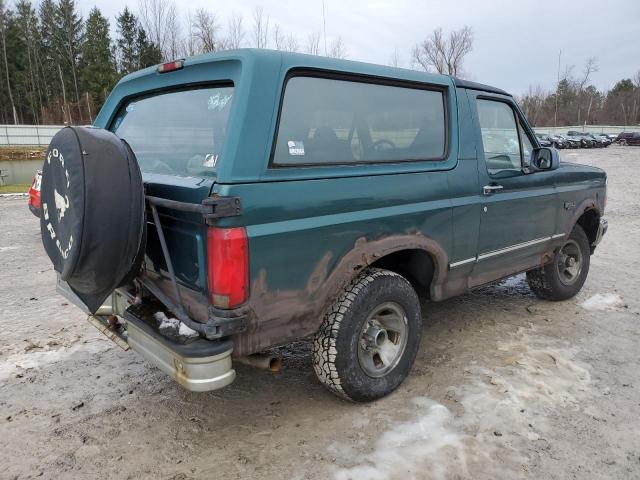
[379, 143]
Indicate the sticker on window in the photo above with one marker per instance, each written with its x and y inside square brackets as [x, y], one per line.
[210, 160]
[295, 147]
[218, 101]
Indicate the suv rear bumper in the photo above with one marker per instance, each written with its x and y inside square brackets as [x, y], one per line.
[199, 366]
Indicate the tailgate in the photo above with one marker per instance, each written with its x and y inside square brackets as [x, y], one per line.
[185, 232]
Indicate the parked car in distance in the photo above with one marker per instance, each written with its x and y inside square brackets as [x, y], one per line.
[599, 140]
[585, 140]
[607, 138]
[571, 142]
[290, 195]
[558, 142]
[628, 138]
[34, 193]
[581, 141]
[544, 140]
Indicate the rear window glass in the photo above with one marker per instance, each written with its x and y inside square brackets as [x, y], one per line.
[177, 133]
[328, 121]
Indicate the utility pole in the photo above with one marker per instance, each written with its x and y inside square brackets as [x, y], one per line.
[555, 117]
[324, 29]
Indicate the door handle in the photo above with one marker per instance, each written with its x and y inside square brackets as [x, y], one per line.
[491, 189]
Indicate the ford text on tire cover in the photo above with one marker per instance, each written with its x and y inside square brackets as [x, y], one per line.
[232, 202]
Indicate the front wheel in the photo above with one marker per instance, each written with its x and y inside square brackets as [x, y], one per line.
[369, 338]
[563, 278]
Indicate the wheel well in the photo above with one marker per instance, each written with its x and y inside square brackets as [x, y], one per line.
[415, 265]
[589, 221]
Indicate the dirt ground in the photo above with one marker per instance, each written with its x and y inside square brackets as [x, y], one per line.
[22, 153]
[505, 385]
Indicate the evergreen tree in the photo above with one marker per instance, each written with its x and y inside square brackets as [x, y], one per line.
[126, 42]
[27, 27]
[134, 50]
[4, 39]
[48, 55]
[98, 64]
[148, 53]
[68, 36]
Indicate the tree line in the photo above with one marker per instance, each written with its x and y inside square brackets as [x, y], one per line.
[575, 101]
[58, 67]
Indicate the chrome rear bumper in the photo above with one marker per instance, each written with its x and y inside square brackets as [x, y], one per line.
[195, 367]
[198, 366]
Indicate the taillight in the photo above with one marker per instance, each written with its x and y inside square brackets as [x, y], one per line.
[228, 269]
[170, 66]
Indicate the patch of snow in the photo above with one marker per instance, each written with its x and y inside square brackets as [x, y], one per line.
[602, 302]
[13, 247]
[186, 331]
[504, 406]
[513, 281]
[173, 326]
[39, 359]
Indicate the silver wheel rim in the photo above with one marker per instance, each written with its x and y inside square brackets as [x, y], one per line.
[569, 262]
[383, 339]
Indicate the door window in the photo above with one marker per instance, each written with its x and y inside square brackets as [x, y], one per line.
[500, 136]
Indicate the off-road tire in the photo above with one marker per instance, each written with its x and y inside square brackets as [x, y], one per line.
[545, 281]
[335, 349]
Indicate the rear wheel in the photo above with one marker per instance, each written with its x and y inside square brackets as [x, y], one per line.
[564, 276]
[369, 338]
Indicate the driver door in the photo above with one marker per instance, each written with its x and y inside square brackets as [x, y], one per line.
[518, 209]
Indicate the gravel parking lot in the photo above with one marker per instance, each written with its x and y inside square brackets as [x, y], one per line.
[504, 386]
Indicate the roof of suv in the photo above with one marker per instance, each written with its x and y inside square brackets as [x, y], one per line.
[313, 61]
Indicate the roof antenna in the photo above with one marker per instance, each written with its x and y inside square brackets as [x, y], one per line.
[324, 29]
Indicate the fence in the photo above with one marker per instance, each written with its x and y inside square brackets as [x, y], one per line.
[608, 129]
[27, 135]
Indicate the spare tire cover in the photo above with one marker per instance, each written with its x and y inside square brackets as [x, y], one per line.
[92, 220]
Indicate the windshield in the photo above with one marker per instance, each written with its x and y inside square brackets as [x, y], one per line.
[177, 133]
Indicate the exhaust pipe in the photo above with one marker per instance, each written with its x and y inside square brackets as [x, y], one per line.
[266, 362]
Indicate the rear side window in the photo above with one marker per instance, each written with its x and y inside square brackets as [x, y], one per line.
[177, 133]
[327, 121]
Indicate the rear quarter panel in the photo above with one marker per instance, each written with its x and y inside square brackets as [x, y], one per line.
[312, 229]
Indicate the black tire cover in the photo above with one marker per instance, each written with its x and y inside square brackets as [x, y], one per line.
[92, 220]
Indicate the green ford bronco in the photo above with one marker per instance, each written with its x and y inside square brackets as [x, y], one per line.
[228, 203]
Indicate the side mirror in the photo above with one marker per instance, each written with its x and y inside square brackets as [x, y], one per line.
[545, 158]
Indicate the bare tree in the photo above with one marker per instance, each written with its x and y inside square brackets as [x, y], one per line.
[190, 42]
[153, 16]
[287, 43]
[337, 49]
[444, 54]
[278, 37]
[175, 45]
[590, 66]
[394, 61]
[160, 21]
[260, 28]
[235, 31]
[313, 43]
[205, 31]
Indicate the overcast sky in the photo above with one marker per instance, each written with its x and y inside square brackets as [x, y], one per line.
[516, 42]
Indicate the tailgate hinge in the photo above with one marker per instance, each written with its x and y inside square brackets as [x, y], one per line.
[221, 207]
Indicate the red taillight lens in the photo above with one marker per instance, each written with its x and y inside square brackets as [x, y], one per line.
[170, 66]
[228, 269]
